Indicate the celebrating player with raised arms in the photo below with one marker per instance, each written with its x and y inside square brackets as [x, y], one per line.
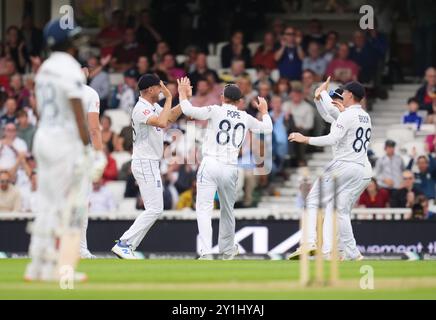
[148, 121]
[350, 136]
[226, 131]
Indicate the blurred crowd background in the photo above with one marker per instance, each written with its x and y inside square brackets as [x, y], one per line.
[276, 49]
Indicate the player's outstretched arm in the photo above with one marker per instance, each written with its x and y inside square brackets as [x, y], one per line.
[162, 119]
[264, 126]
[185, 89]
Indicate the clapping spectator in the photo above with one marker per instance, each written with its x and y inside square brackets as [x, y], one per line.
[10, 147]
[127, 53]
[289, 56]
[412, 115]
[314, 61]
[264, 56]
[10, 200]
[101, 199]
[427, 92]
[236, 49]
[389, 168]
[25, 130]
[374, 197]
[112, 35]
[342, 69]
[405, 196]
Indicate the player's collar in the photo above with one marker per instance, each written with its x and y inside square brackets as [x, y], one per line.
[229, 105]
[355, 106]
[145, 101]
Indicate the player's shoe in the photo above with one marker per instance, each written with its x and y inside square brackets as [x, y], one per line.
[86, 254]
[232, 255]
[297, 253]
[205, 257]
[124, 252]
[359, 258]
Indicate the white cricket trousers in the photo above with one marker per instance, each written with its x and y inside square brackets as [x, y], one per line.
[213, 176]
[56, 156]
[147, 175]
[349, 177]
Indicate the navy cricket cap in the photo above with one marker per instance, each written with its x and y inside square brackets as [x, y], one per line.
[336, 94]
[56, 32]
[131, 73]
[356, 89]
[232, 92]
[148, 80]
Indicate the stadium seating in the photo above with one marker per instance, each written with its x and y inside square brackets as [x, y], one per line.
[120, 119]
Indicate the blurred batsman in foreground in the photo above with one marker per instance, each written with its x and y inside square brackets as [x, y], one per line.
[66, 162]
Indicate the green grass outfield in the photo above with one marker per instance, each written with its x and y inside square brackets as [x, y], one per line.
[243, 279]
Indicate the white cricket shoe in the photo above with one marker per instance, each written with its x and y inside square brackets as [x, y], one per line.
[124, 252]
[206, 257]
[232, 255]
[86, 254]
[296, 254]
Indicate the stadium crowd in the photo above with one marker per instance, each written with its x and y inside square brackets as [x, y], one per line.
[284, 69]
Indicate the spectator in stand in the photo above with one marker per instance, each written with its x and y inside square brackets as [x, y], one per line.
[236, 49]
[264, 56]
[169, 67]
[32, 36]
[303, 115]
[237, 70]
[29, 200]
[421, 209]
[204, 95]
[201, 68]
[125, 139]
[110, 173]
[342, 69]
[101, 199]
[279, 134]
[248, 93]
[25, 130]
[112, 35]
[308, 82]
[10, 147]
[7, 69]
[99, 78]
[186, 174]
[314, 34]
[431, 118]
[282, 89]
[262, 75]
[187, 198]
[143, 65]
[314, 61]
[289, 56]
[162, 49]
[10, 115]
[15, 48]
[109, 137]
[389, 168]
[127, 92]
[127, 53]
[189, 64]
[18, 91]
[405, 196]
[427, 92]
[365, 56]
[374, 197]
[277, 27]
[331, 46]
[217, 87]
[412, 115]
[425, 178]
[10, 199]
[146, 33]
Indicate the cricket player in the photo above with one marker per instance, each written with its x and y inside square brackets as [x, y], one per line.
[226, 131]
[64, 156]
[350, 137]
[148, 121]
[91, 103]
[329, 106]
